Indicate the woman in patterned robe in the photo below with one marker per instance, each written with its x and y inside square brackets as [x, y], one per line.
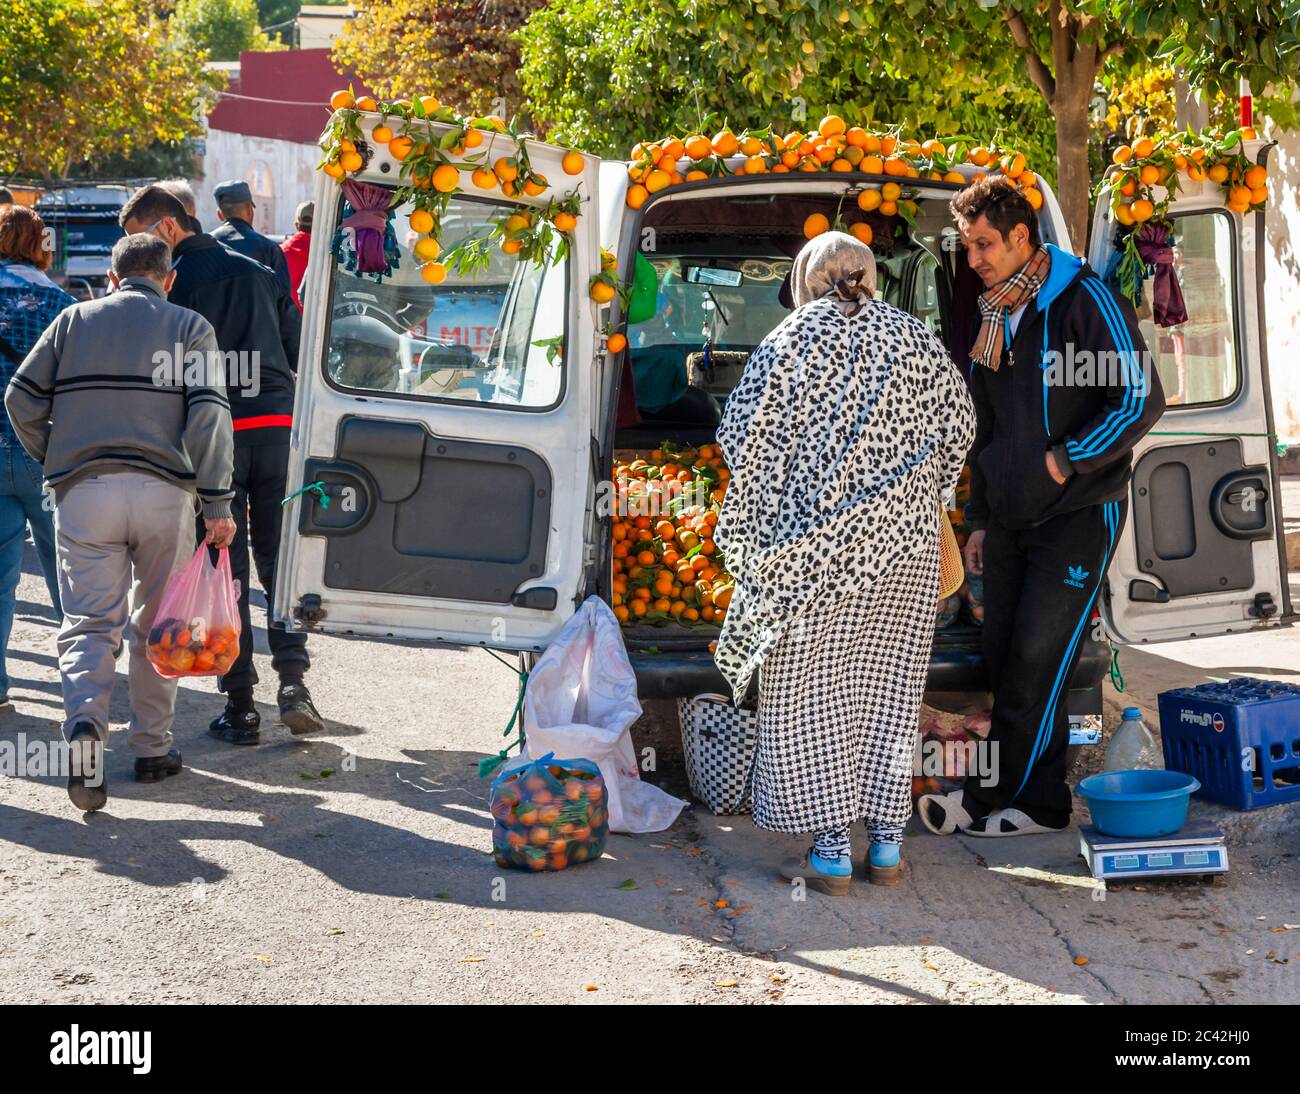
[847, 430]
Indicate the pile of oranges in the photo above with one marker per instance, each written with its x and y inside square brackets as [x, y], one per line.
[667, 567]
[833, 146]
[177, 648]
[1158, 163]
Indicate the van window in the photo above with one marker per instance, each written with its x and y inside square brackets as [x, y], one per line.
[1197, 360]
[738, 315]
[488, 337]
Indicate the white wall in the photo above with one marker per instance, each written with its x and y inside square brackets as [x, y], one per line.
[280, 173]
[1282, 280]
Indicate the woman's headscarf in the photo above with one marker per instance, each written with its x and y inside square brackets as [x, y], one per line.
[837, 264]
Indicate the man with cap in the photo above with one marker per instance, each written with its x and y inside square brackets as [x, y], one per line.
[236, 231]
[296, 249]
[257, 329]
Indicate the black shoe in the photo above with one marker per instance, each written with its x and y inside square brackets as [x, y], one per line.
[86, 778]
[237, 726]
[153, 769]
[297, 711]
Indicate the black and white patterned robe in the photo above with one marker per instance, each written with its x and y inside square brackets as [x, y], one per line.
[843, 435]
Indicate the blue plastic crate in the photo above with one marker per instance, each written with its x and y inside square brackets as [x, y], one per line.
[1241, 739]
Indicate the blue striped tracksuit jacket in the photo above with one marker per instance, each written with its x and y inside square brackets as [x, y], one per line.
[1081, 384]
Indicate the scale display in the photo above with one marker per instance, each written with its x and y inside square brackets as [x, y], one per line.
[1196, 849]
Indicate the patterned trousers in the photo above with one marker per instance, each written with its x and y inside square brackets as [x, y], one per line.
[838, 701]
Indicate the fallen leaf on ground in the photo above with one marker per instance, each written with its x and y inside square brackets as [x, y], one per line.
[629, 885]
[934, 968]
[725, 984]
[472, 960]
[720, 903]
[1080, 960]
[590, 987]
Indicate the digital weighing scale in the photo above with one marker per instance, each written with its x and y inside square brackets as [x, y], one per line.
[1194, 849]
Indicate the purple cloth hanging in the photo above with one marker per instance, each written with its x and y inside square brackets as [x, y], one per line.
[368, 222]
[1155, 246]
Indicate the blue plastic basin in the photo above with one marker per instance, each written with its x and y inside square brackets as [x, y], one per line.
[1138, 803]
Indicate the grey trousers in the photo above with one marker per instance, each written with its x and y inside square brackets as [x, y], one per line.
[118, 533]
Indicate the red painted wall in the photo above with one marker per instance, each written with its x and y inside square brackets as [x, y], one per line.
[282, 95]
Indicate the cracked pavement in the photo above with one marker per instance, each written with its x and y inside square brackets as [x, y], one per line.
[354, 867]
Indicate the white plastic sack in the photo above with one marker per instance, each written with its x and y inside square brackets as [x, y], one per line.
[579, 703]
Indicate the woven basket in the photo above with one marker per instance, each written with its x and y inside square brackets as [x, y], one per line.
[951, 571]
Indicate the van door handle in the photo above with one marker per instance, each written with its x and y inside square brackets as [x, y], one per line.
[1145, 592]
[1239, 505]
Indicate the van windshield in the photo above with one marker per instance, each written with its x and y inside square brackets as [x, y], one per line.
[731, 304]
[488, 337]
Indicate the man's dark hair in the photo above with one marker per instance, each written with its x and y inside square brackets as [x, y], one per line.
[141, 255]
[6, 196]
[152, 203]
[997, 199]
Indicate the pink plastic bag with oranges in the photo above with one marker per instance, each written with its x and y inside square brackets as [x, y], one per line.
[196, 630]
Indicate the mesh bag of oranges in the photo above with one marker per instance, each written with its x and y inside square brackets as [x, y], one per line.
[196, 630]
[549, 814]
[666, 566]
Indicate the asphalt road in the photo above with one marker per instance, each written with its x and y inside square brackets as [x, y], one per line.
[354, 867]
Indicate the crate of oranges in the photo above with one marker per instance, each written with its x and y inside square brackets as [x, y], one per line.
[549, 814]
[667, 568]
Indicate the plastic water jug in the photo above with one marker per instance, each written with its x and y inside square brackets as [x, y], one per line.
[1133, 747]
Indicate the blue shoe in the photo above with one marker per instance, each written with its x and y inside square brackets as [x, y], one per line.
[885, 863]
[830, 876]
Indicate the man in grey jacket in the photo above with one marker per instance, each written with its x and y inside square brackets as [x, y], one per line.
[123, 402]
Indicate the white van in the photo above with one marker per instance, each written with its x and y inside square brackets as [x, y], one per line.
[465, 486]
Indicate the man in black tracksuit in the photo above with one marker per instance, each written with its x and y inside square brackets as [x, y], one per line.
[257, 322]
[1063, 387]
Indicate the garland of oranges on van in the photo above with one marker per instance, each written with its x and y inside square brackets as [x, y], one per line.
[433, 166]
[1146, 176]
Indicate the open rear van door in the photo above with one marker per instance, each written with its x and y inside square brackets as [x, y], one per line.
[449, 428]
[1202, 552]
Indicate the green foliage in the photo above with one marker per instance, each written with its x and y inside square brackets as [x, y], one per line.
[464, 52]
[274, 13]
[85, 80]
[221, 28]
[603, 74]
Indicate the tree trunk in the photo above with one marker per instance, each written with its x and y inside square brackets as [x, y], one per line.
[1073, 180]
[1067, 88]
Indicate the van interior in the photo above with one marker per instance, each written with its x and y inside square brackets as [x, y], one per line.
[722, 264]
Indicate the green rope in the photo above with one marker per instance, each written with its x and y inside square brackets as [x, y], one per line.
[317, 488]
[489, 764]
[1282, 446]
[1116, 676]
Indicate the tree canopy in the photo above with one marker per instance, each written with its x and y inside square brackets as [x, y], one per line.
[82, 80]
[465, 52]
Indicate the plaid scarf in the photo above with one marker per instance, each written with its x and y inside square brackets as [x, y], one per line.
[997, 304]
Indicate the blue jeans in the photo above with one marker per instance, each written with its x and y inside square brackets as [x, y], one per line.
[22, 499]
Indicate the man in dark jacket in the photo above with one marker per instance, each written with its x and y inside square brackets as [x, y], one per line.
[1064, 387]
[257, 328]
[236, 231]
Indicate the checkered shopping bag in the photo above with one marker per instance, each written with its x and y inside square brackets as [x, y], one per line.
[719, 741]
